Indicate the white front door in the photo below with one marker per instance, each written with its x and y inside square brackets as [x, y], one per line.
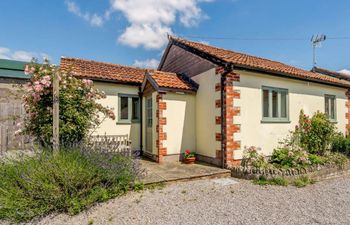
[149, 124]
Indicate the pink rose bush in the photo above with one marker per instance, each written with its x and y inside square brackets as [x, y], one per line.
[79, 114]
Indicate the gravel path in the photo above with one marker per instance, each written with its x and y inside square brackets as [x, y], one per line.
[222, 201]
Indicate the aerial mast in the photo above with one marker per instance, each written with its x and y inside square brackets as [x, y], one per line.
[316, 41]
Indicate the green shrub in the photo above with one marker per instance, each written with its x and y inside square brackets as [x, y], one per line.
[303, 181]
[341, 144]
[287, 158]
[280, 181]
[67, 181]
[315, 159]
[252, 157]
[313, 134]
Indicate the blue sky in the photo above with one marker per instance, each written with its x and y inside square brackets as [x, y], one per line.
[133, 32]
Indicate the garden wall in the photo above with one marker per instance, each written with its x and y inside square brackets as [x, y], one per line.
[314, 172]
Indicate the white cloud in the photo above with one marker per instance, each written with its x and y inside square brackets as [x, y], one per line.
[150, 20]
[148, 63]
[6, 53]
[346, 71]
[148, 36]
[93, 19]
[204, 42]
[22, 55]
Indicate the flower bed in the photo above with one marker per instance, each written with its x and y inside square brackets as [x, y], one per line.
[68, 181]
[314, 149]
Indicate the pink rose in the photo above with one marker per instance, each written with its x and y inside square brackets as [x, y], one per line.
[38, 88]
[45, 82]
[36, 97]
[47, 77]
[87, 82]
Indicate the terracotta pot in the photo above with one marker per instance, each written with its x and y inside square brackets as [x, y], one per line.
[190, 160]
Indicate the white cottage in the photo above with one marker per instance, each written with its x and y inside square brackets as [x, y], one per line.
[212, 101]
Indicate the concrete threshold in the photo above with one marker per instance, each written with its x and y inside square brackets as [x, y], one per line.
[168, 172]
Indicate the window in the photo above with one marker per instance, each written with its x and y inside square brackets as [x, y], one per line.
[129, 108]
[275, 104]
[135, 109]
[149, 112]
[124, 108]
[330, 108]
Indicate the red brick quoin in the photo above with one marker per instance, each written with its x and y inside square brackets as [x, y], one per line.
[347, 114]
[229, 145]
[162, 151]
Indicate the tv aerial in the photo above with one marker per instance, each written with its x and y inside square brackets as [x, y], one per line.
[316, 41]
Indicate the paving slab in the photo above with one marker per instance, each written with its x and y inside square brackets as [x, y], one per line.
[177, 171]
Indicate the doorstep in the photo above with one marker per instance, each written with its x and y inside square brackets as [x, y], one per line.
[177, 171]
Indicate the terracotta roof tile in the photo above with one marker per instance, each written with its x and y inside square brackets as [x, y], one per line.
[171, 80]
[260, 64]
[103, 71]
[115, 72]
[332, 73]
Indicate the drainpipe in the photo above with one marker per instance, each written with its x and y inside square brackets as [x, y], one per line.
[141, 122]
[228, 69]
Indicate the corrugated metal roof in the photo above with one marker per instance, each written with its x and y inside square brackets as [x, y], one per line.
[12, 69]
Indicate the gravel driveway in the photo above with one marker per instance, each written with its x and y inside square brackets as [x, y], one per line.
[223, 201]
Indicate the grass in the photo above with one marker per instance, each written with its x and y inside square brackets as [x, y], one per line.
[91, 221]
[68, 181]
[155, 186]
[299, 182]
[280, 181]
[303, 181]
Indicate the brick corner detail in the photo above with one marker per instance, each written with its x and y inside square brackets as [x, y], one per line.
[162, 136]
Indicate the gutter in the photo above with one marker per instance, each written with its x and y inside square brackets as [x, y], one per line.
[141, 122]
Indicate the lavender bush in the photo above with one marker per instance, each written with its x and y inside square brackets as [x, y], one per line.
[68, 181]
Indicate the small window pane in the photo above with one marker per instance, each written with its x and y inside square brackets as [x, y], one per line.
[332, 107]
[124, 108]
[327, 106]
[135, 108]
[330, 104]
[149, 112]
[265, 103]
[274, 104]
[283, 104]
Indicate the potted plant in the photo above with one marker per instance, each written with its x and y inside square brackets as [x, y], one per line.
[189, 157]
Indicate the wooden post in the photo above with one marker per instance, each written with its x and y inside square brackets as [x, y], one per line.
[55, 113]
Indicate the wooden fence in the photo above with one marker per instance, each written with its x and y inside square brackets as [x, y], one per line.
[11, 114]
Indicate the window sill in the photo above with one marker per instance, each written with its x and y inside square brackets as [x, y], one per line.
[275, 121]
[127, 122]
